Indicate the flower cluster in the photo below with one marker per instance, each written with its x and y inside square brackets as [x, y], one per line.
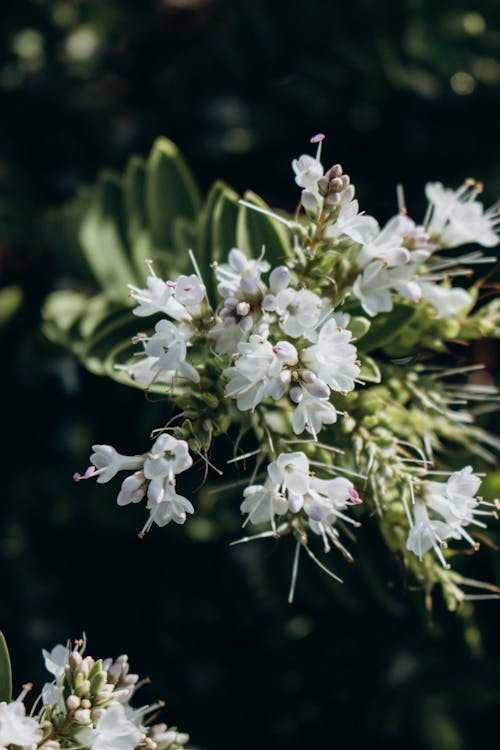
[85, 706]
[155, 477]
[321, 343]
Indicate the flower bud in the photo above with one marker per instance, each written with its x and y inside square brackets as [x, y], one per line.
[318, 389]
[83, 716]
[279, 278]
[296, 394]
[335, 171]
[309, 200]
[308, 376]
[249, 285]
[242, 308]
[269, 303]
[246, 323]
[75, 658]
[72, 702]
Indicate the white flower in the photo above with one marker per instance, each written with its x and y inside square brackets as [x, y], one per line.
[387, 245]
[375, 285]
[189, 291]
[357, 226]
[258, 373]
[308, 171]
[146, 371]
[449, 302]
[263, 502]
[107, 462]
[456, 502]
[166, 505]
[426, 534]
[56, 660]
[227, 335]
[312, 413]
[113, 731]
[290, 472]
[329, 497]
[333, 357]
[239, 273]
[168, 344]
[157, 298]
[167, 458]
[133, 489]
[457, 217]
[16, 728]
[300, 312]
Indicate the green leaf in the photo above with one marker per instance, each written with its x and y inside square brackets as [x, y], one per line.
[61, 313]
[370, 372]
[359, 327]
[170, 191]
[217, 231]
[256, 230]
[134, 196]
[385, 326]
[102, 237]
[5, 671]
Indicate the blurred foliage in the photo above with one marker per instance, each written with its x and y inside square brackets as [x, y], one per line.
[406, 91]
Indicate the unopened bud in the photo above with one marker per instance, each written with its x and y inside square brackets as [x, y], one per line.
[333, 199]
[86, 703]
[318, 389]
[83, 716]
[279, 278]
[335, 171]
[345, 180]
[269, 303]
[336, 185]
[242, 308]
[308, 376]
[246, 323]
[75, 658]
[296, 394]
[72, 702]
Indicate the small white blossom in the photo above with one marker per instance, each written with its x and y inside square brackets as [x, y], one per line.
[290, 472]
[312, 413]
[113, 731]
[157, 297]
[258, 373]
[358, 226]
[167, 458]
[387, 245]
[333, 357]
[189, 291]
[169, 345]
[263, 502]
[449, 302]
[375, 286]
[16, 728]
[239, 273]
[308, 171]
[107, 462]
[166, 504]
[133, 489]
[426, 534]
[300, 312]
[456, 217]
[56, 660]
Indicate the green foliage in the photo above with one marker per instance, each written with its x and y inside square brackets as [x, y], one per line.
[5, 671]
[151, 211]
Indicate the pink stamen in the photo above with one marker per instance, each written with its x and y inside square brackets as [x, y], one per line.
[355, 498]
[171, 284]
[189, 288]
[88, 473]
[318, 138]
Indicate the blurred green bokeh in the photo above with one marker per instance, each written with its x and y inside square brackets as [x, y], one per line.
[406, 92]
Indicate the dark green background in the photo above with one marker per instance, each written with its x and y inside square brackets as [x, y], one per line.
[406, 91]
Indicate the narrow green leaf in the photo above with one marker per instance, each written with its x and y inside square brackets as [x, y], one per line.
[217, 233]
[170, 191]
[102, 237]
[5, 671]
[134, 196]
[359, 327]
[256, 230]
[385, 326]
